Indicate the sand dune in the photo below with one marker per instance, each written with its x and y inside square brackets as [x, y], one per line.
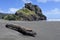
[46, 30]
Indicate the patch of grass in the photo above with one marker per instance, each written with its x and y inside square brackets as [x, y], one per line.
[26, 11]
[11, 17]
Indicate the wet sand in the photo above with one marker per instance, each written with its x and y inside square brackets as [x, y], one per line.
[46, 30]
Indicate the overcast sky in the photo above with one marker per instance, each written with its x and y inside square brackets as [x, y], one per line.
[50, 8]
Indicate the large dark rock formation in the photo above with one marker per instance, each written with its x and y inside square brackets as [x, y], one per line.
[36, 9]
[33, 17]
[29, 12]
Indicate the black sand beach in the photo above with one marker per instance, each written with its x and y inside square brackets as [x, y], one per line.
[46, 30]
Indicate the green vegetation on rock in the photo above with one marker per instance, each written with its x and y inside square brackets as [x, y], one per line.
[26, 11]
[11, 17]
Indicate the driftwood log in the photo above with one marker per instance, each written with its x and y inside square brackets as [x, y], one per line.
[22, 30]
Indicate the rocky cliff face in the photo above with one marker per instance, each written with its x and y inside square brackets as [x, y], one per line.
[34, 8]
[33, 17]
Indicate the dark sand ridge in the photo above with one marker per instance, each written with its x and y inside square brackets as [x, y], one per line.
[45, 30]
